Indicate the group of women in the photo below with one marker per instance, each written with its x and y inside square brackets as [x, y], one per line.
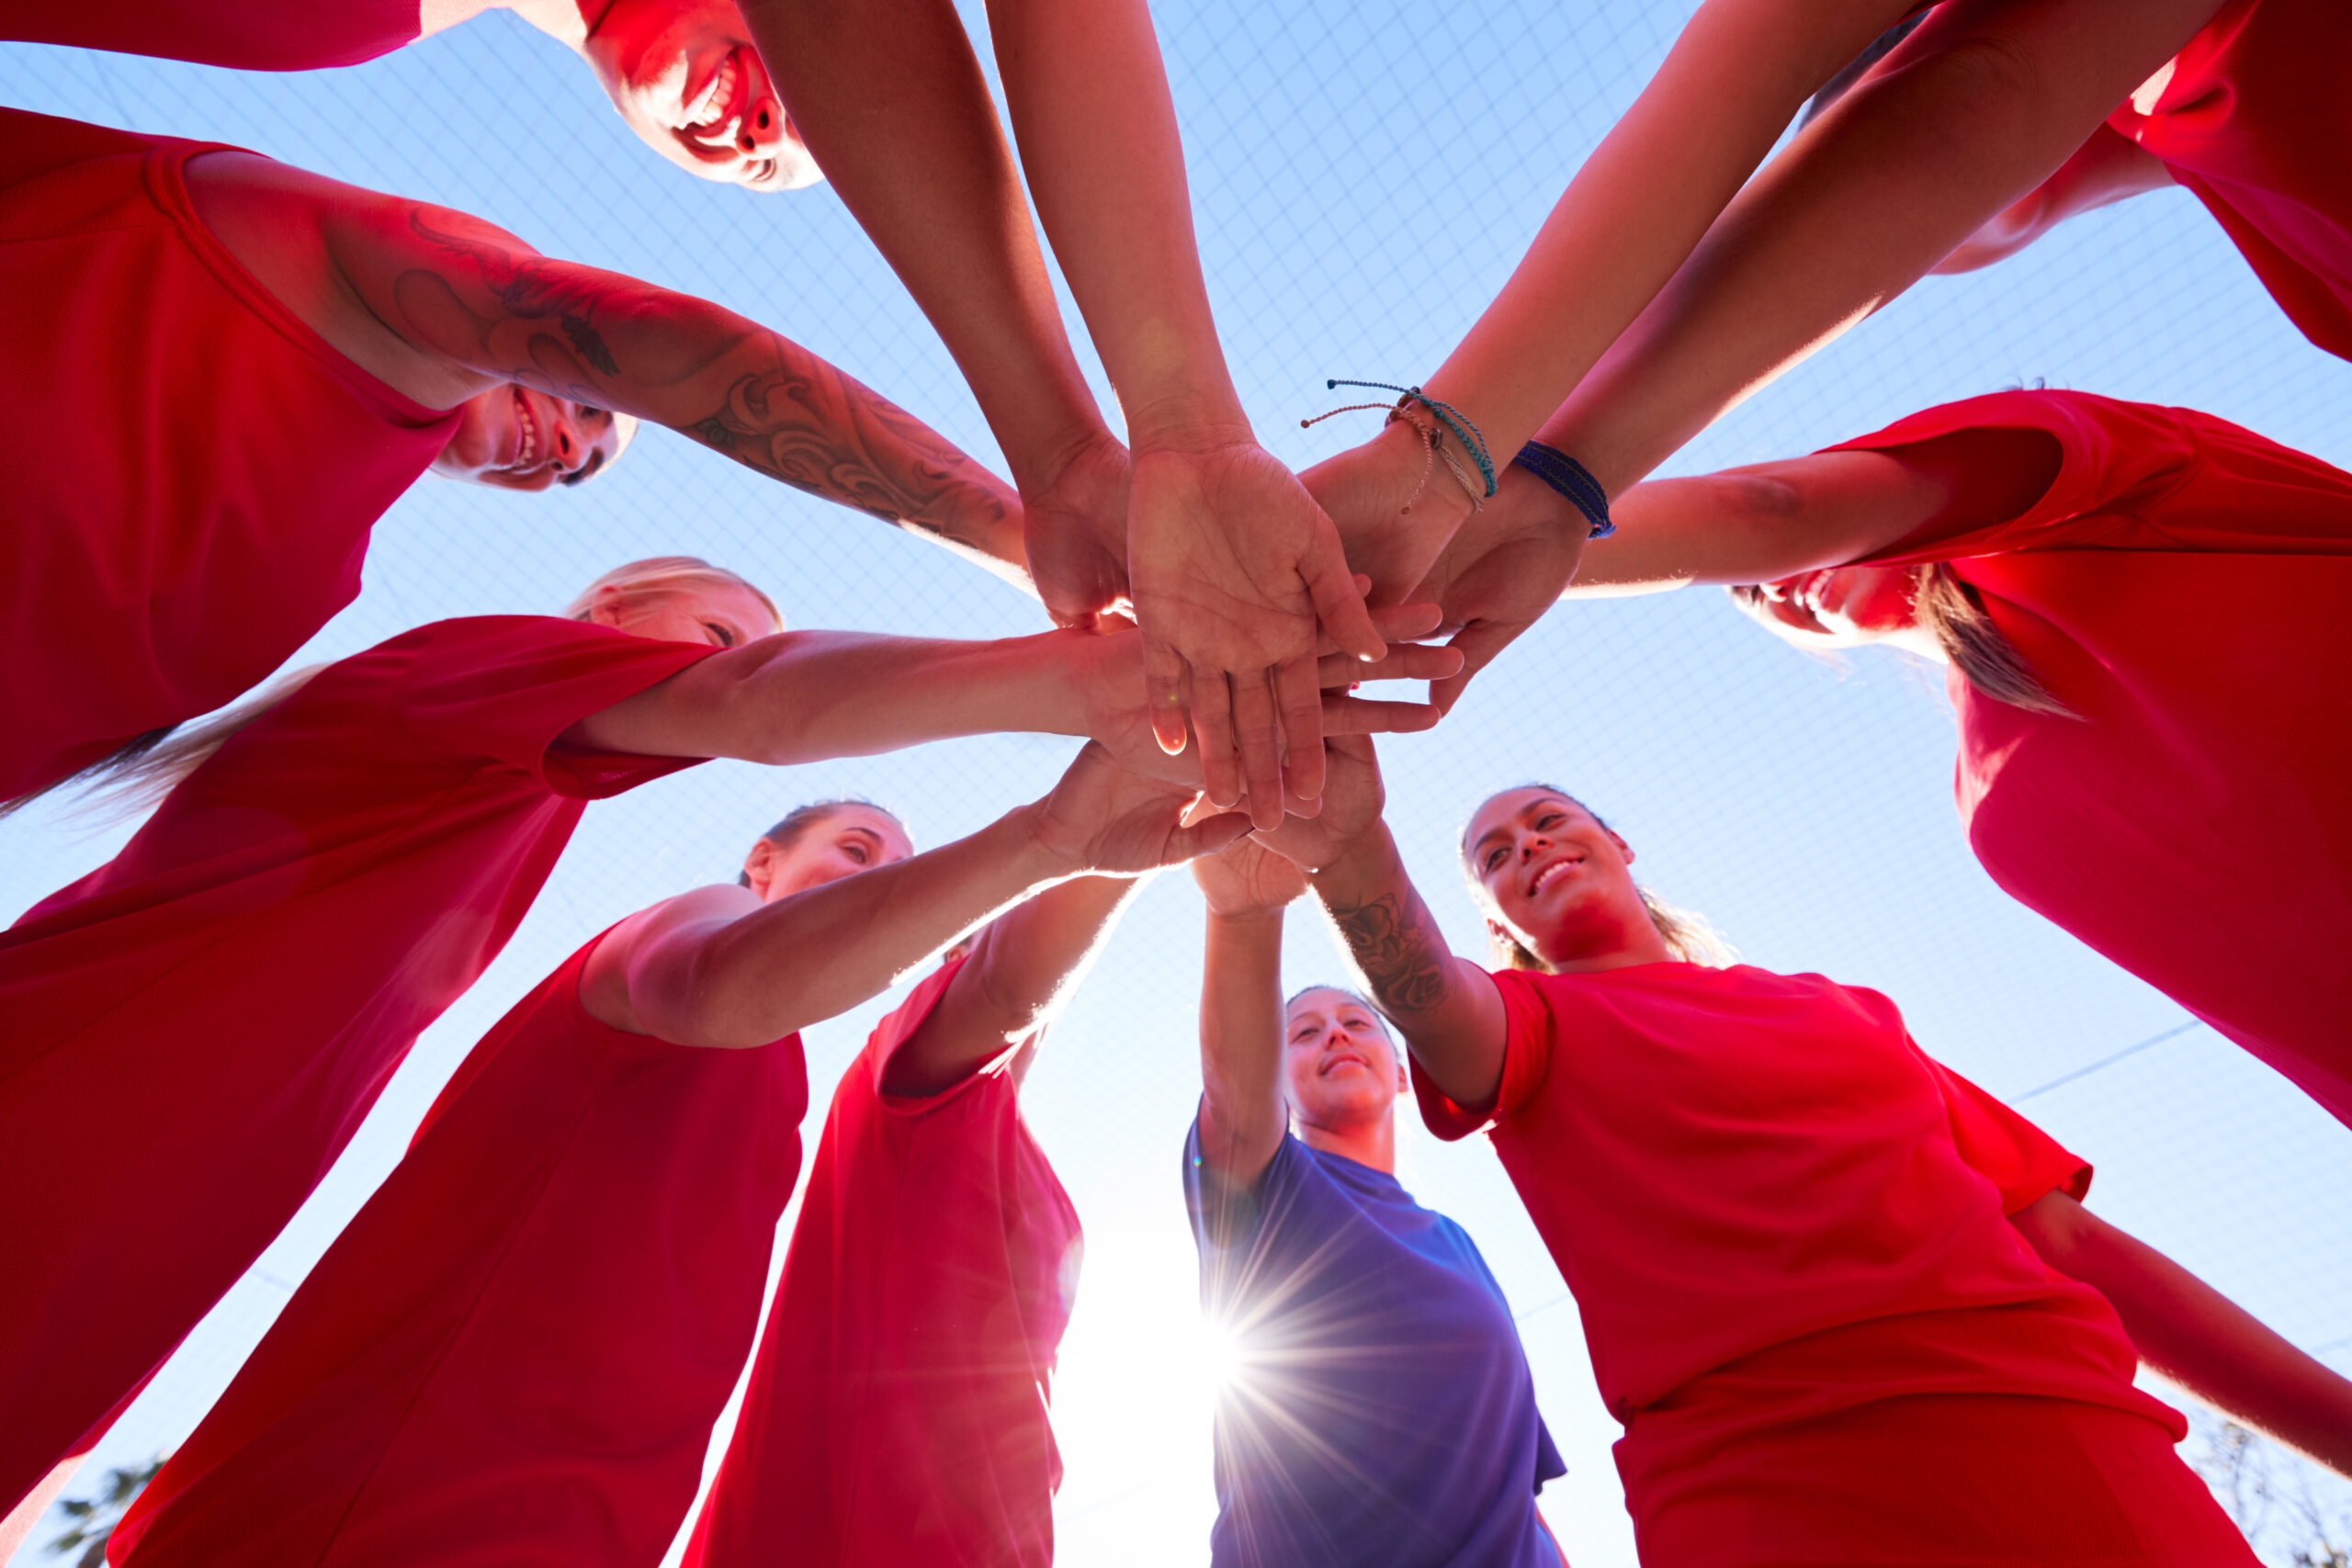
[1849, 1307]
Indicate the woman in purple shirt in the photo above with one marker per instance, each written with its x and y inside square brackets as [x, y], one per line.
[1379, 1409]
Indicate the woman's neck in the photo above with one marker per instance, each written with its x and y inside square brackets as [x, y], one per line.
[1369, 1142]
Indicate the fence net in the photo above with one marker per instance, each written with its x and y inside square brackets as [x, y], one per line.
[1362, 182]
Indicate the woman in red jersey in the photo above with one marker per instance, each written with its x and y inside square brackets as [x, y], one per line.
[236, 368]
[1848, 1306]
[1989, 122]
[234, 987]
[898, 1407]
[2141, 609]
[516, 1350]
[682, 72]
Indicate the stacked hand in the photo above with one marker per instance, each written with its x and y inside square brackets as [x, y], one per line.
[1105, 818]
[1237, 578]
[1075, 529]
[1246, 878]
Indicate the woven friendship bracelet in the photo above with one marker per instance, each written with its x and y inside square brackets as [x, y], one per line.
[1454, 420]
[1571, 479]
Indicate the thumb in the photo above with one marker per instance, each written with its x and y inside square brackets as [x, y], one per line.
[1166, 679]
[1208, 838]
[1338, 604]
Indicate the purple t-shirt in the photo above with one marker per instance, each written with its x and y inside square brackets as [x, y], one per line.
[1380, 1408]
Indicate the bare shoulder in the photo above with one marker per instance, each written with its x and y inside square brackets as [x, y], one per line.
[664, 930]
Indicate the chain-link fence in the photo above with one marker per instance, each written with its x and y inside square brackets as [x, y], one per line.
[1363, 176]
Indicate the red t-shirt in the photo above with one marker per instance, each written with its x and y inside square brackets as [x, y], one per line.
[2182, 585]
[898, 1407]
[1770, 1204]
[227, 995]
[249, 35]
[2253, 120]
[209, 466]
[515, 1353]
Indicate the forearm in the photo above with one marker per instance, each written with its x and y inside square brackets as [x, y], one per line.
[475, 296]
[1632, 214]
[1970, 113]
[1446, 1009]
[816, 955]
[1091, 106]
[1759, 524]
[807, 697]
[1032, 959]
[1242, 1119]
[2197, 1338]
[889, 97]
[784, 412]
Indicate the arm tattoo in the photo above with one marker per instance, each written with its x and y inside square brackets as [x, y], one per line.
[531, 287]
[1397, 947]
[783, 410]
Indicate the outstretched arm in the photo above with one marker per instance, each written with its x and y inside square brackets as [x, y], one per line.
[2109, 168]
[890, 100]
[1021, 972]
[717, 968]
[804, 696]
[1757, 523]
[2197, 1336]
[1232, 563]
[443, 306]
[1446, 1007]
[1972, 112]
[1246, 887]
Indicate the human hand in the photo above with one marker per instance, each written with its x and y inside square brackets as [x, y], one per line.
[1107, 671]
[1366, 491]
[1105, 818]
[1246, 878]
[1353, 797]
[1235, 575]
[1495, 579]
[1074, 532]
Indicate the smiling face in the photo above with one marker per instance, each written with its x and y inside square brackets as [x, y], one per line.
[1555, 878]
[1340, 1069]
[514, 438]
[1838, 606]
[846, 840]
[687, 78]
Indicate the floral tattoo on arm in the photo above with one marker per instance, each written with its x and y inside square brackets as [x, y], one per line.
[1397, 946]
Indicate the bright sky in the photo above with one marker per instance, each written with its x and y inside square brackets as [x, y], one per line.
[1363, 176]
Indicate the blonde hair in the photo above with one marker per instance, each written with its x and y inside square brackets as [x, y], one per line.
[1687, 934]
[1988, 662]
[135, 777]
[1953, 612]
[658, 576]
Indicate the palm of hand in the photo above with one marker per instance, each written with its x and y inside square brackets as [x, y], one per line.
[1216, 544]
[1353, 797]
[1247, 875]
[1105, 818]
[1074, 532]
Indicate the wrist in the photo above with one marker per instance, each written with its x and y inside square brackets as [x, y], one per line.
[1249, 920]
[1187, 420]
[1036, 853]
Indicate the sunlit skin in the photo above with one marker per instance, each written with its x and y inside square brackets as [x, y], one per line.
[846, 840]
[1843, 607]
[1341, 1077]
[1559, 882]
[687, 78]
[724, 614]
[512, 437]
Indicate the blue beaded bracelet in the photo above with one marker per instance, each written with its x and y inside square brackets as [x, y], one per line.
[1567, 475]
